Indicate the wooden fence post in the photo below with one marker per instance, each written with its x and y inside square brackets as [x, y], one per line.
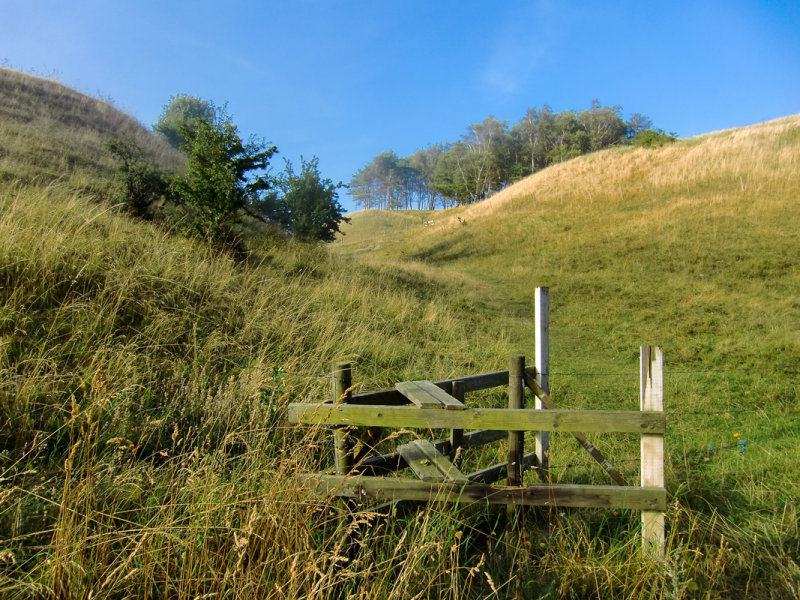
[342, 384]
[516, 399]
[457, 435]
[652, 445]
[542, 364]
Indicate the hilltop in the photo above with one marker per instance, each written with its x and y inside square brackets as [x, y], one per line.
[144, 377]
[694, 244]
[52, 133]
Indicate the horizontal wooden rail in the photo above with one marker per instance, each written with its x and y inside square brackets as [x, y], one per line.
[387, 488]
[498, 471]
[479, 418]
[393, 461]
[472, 383]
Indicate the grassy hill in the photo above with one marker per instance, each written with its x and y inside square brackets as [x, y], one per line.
[51, 133]
[143, 379]
[694, 246]
[144, 450]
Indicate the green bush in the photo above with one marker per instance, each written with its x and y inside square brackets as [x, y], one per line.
[141, 182]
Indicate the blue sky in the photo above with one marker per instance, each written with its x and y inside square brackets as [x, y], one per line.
[344, 80]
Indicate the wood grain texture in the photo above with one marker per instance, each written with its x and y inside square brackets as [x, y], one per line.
[470, 383]
[426, 394]
[652, 444]
[604, 421]
[542, 364]
[428, 464]
[390, 488]
[516, 401]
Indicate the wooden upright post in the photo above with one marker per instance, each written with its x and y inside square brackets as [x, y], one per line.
[457, 435]
[652, 399]
[542, 358]
[342, 444]
[516, 399]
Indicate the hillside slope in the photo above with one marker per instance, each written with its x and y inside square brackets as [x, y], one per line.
[695, 245]
[144, 450]
[51, 133]
[143, 376]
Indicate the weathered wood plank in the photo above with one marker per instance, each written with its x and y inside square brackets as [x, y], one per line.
[426, 394]
[456, 450]
[652, 445]
[389, 488]
[393, 461]
[471, 383]
[428, 464]
[479, 418]
[342, 442]
[516, 400]
[498, 471]
[548, 403]
[542, 363]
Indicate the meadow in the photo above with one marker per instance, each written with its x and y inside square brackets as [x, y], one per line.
[144, 377]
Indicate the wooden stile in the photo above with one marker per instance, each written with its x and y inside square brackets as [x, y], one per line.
[440, 405]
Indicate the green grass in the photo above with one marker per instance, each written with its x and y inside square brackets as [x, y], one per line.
[144, 450]
[693, 247]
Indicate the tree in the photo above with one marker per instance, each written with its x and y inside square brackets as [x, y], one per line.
[141, 181]
[223, 174]
[535, 136]
[311, 203]
[603, 125]
[638, 123]
[463, 176]
[182, 111]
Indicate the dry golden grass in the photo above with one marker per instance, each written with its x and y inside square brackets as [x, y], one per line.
[759, 158]
[143, 381]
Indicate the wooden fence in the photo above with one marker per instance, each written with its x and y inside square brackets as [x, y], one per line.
[429, 406]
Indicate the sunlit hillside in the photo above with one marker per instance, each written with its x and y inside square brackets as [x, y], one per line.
[694, 246]
[51, 133]
[144, 377]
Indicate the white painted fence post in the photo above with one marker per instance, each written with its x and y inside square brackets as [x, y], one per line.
[542, 364]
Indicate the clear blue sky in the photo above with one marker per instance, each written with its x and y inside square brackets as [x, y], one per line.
[344, 80]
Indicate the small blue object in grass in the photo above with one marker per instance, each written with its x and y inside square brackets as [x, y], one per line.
[710, 448]
[742, 445]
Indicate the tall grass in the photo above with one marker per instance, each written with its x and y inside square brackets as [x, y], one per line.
[53, 133]
[144, 377]
[694, 247]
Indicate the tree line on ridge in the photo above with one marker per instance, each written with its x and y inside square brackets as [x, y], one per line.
[492, 155]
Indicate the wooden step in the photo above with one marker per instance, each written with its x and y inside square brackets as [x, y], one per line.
[428, 463]
[427, 394]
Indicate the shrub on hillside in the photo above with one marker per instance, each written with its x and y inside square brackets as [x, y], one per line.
[141, 182]
[652, 138]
